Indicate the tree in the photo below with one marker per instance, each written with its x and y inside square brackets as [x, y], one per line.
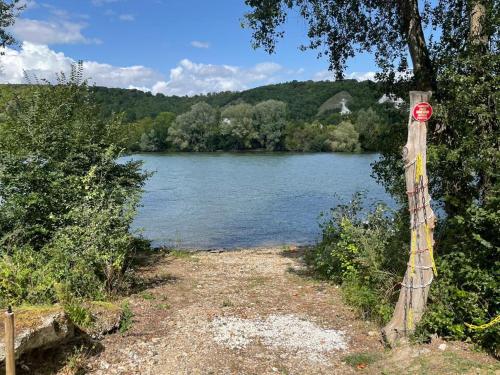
[270, 120]
[161, 123]
[463, 35]
[237, 124]
[390, 29]
[9, 10]
[195, 130]
[368, 125]
[344, 138]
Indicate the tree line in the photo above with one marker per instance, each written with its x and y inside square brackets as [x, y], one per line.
[264, 126]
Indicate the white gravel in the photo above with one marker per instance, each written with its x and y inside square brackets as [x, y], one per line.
[285, 332]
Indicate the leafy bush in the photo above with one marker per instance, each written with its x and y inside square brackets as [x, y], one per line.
[67, 204]
[361, 252]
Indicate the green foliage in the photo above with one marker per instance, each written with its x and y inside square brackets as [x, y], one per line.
[302, 99]
[9, 10]
[258, 118]
[344, 138]
[147, 134]
[362, 359]
[237, 126]
[78, 314]
[317, 137]
[361, 252]
[67, 204]
[195, 130]
[24, 277]
[126, 318]
[270, 121]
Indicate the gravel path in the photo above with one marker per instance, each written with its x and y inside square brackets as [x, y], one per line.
[242, 312]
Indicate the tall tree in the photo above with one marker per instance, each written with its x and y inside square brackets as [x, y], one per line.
[392, 30]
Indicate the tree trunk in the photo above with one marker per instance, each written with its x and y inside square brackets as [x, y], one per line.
[420, 271]
[411, 27]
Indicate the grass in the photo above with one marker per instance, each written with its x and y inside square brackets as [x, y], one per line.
[227, 303]
[127, 318]
[164, 306]
[362, 360]
[148, 296]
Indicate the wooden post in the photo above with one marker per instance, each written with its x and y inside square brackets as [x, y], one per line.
[421, 269]
[10, 362]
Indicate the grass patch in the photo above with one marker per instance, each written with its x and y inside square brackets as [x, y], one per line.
[79, 314]
[148, 296]
[362, 360]
[227, 303]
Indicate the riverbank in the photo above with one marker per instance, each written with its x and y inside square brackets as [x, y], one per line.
[253, 312]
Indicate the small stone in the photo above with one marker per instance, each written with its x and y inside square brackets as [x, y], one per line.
[372, 333]
[442, 347]
[274, 369]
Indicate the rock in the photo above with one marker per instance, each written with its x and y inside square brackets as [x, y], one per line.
[106, 319]
[38, 328]
[372, 333]
[442, 347]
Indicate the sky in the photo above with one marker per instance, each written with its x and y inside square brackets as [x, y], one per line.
[173, 47]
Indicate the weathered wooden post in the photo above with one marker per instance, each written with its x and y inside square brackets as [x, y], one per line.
[10, 362]
[421, 269]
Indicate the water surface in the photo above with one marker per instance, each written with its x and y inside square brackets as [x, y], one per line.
[226, 200]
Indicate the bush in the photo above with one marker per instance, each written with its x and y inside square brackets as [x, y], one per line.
[67, 204]
[361, 252]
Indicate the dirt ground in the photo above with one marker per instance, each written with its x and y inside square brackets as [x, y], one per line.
[257, 312]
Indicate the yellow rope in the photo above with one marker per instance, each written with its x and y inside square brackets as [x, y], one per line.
[484, 326]
[419, 167]
[409, 321]
[429, 246]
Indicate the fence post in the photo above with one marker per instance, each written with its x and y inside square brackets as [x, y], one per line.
[10, 362]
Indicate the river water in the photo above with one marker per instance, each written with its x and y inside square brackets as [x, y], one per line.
[230, 200]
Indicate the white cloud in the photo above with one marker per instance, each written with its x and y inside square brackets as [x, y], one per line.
[42, 62]
[187, 78]
[366, 76]
[50, 32]
[126, 17]
[198, 44]
[326, 75]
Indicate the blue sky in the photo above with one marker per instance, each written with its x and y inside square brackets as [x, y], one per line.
[169, 46]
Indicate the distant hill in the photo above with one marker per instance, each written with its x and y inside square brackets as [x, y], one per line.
[304, 99]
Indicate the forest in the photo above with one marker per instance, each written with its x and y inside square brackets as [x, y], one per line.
[293, 116]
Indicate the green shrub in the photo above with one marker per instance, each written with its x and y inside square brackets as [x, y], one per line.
[24, 278]
[67, 203]
[126, 319]
[361, 252]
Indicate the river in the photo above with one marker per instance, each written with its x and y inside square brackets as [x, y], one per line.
[231, 200]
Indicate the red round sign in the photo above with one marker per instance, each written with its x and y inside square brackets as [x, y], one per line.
[422, 112]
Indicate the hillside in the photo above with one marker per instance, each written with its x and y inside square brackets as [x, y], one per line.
[303, 98]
